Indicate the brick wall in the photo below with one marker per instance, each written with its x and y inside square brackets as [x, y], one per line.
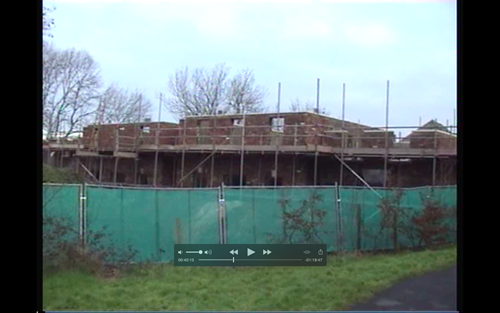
[105, 137]
[426, 140]
[376, 139]
[299, 129]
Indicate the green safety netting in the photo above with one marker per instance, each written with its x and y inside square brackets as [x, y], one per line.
[370, 233]
[257, 216]
[62, 201]
[152, 221]
[361, 204]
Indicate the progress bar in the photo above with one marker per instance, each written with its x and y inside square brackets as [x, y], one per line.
[217, 259]
[246, 260]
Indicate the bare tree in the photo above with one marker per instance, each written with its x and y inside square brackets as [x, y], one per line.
[300, 106]
[118, 105]
[244, 95]
[48, 23]
[199, 93]
[72, 96]
[206, 92]
[307, 106]
[50, 72]
[71, 83]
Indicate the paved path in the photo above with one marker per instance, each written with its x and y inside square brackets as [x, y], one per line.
[435, 291]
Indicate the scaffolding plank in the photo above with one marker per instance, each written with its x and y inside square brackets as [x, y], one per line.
[120, 154]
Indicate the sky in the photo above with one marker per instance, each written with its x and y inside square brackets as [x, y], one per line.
[362, 44]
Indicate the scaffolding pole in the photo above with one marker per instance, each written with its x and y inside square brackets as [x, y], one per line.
[197, 166]
[136, 165]
[116, 169]
[183, 150]
[317, 96]
[212, 164]
[358, 176]
[316, 166]
[277, 141]
[454, 121]
[260, 170]
[155, 179]
[242, 158]
[230, 182]
[174, 169]
[213, 149]
[434, 159]
[386, 135]
[100, 169]
[136, 160]
[316, 138]
[341, 178]
[87, 171]
[293, 168]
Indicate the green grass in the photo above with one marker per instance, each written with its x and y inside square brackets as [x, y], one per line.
[344, 281]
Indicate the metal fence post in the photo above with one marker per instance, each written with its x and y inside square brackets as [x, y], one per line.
[158, 248]
[359, 220]
[338, 207]
[82, 213]
[222, 215]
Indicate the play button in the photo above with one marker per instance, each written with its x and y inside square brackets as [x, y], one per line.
[250, 252]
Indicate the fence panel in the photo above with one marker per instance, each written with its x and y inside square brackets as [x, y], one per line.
[63, 201]
[187, 216]
[374, 233]
[447, 195]
[151, 221]
[362, 220]
[256, 215]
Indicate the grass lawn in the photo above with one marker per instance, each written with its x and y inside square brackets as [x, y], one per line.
[344, 281]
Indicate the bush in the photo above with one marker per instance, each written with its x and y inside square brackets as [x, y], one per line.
[301, 225]
[431, 223]
[63, 249]
[428, 227]
[60, 175]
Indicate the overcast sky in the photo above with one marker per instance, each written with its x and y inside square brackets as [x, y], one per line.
[139, 44]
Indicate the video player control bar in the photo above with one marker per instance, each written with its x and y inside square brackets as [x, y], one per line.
[250, 255]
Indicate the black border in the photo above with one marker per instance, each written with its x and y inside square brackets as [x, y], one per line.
[38, 132]
[460, 155]
[460, 158]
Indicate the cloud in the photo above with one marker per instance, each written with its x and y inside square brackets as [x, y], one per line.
[370, 35]
[318, 28]
[212, 20]
[218, 22]
[305, 29]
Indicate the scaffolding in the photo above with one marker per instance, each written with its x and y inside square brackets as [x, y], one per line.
[313, 140]
[324, 137]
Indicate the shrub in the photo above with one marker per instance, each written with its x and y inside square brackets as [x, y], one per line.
[60, 175]
[430, 224]
[63, 249]
[301, 225]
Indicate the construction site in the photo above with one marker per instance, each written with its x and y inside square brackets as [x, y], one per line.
[260, 149]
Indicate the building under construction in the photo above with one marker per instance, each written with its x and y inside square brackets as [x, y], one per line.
[275, 149]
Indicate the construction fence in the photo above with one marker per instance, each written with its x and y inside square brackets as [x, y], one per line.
[346, 219]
